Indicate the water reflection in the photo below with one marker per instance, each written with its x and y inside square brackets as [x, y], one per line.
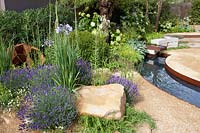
[154, 72]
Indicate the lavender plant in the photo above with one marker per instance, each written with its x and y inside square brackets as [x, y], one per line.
[130, 88]
[85, 72]
[20, 81]
[17, 78]
[47, 108]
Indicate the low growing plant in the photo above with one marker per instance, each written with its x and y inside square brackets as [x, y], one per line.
[48, 108]
[138, 46]
[127, 124]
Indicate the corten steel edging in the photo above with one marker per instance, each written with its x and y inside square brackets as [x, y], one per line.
[182, 77]
[191, 36]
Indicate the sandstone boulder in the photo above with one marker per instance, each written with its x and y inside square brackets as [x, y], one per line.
[107, 101]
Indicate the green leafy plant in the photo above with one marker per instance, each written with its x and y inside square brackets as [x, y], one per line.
[33, 25]
[5, 57]
[127, 124]
[66, 56]
[154, 35]
[10, 100]
[92, 47]
[128, 54]
[195, 14]
[138, 46]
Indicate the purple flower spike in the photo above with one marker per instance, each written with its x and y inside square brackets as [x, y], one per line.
[131, 89]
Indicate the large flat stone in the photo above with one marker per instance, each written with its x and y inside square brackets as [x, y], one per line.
[106, 101]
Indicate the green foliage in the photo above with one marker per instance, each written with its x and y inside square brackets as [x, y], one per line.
[195, 12]
[127, 124]
[5, 96]
[33, 25]
[154, 35]
[88, 22]
[50, 56]
[8, 99]
[128, 54]
[138, 46]
[92, 48]
[66, 56]
[5, 57]
[136, 20]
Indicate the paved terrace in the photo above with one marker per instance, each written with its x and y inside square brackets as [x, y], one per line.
[171, 114]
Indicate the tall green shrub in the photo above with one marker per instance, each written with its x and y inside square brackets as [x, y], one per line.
[33, 25]
[92, 47]
[5, 57]
[195, 12]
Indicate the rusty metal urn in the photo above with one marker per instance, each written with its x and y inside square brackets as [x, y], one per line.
[21, 52]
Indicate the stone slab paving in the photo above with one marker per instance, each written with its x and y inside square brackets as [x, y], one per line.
[171, 114]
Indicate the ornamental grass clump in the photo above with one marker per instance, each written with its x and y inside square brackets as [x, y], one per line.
[130, 88]
[46, 109]
[84, 72]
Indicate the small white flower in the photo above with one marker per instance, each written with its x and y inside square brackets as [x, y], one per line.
[112, 42]
[92, 24]
[118, 38]
[101, 26]
[118, 31]
[88, 15]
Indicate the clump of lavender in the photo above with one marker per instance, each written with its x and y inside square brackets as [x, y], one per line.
[47, 109]
[27, 77]
[45, 106]
[131, 89]
[17, 78]
[85, 72]
[64, 29]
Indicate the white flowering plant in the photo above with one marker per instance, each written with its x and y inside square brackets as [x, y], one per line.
[90, 23]
[116, 37]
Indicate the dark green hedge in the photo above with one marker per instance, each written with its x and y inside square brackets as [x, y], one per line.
[32, 24]
[195, 12]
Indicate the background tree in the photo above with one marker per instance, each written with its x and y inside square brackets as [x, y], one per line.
[159, 9]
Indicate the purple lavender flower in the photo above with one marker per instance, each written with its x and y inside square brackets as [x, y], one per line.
[131, 89]
[85, 72]
[47, 109]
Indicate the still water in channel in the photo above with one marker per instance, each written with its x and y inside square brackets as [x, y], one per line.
[154, 72]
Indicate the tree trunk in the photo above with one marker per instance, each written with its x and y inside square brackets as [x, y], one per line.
[160, 2]
[147, 10]
[106, 8]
